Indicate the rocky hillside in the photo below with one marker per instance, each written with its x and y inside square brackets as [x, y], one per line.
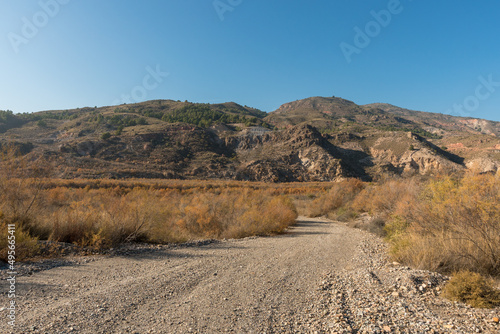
[316, 139]
[441, 123]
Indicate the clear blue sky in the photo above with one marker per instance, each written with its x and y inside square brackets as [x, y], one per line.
[263, 53]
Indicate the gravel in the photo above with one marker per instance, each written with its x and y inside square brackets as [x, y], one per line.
[373, 295]
[322, 277]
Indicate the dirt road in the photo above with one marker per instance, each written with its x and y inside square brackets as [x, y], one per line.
[307, 281]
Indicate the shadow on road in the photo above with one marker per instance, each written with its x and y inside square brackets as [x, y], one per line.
[304, 226]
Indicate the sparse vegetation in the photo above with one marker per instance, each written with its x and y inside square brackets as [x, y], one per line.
[42, 123]
[60, 115]
[418, 131]
[204, 116]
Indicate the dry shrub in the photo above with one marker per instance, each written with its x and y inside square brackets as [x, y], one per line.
[26, 246]
[266, 216]
[101, 219]
[387, 197]
[18, 201]
[102, 213]
[57, 197]
[375, 225]
[76, 223]
[339, 195]
[345, 201]
[453, 226]
[473, 289]
[409, 247]
[200, 217]
[303, 203]
[235, 214]
[97, 218]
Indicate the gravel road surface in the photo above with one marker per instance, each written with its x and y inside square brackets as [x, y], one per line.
[321, 277]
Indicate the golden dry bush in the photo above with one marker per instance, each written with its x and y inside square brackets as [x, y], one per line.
[101, 218]
[387, 197]
[76, 223]
[201, 216]
[473, 289]
[454, 225]
[234, 214]
[339, 195]
[265, 216]
[57, 197]
[19, 200]
[26, 246]
[100, 214]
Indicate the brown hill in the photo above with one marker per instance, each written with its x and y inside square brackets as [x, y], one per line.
[315, 139]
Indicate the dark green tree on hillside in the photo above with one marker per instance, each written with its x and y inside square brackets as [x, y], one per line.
[9, 120]
[204, 116]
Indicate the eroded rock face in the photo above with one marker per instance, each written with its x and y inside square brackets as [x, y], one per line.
[483, 165]
[480, 125]
[420, 161]
[320, 166]
[425, 161]
[297, 154]
[412, 155]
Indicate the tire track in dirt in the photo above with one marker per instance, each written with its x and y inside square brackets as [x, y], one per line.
[250, 285]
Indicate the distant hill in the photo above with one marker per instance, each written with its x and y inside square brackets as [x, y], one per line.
[314, 139]
[332, 113]
[441, 121]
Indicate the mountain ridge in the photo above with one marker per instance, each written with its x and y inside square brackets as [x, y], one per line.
[313, 139]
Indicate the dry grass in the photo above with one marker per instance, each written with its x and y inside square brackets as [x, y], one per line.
[26, 246]
[18, 198]
[192, 186]
[389, 197]
[375, 225]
